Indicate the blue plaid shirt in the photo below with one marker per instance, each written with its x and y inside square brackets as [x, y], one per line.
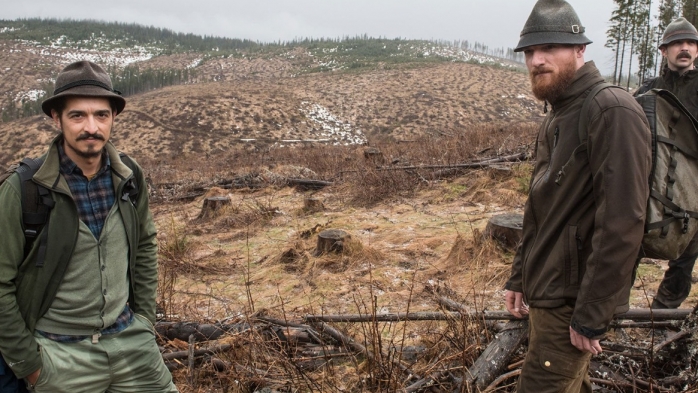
[122, 322]
[93, 198]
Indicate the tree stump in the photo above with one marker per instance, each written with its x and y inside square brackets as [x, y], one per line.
[213, 204]
[374, 155]
[507, 229]
[312, 205]
[331, 241]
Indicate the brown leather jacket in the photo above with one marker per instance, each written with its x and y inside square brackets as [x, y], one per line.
[581, 235]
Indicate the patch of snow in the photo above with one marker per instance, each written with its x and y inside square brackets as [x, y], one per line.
[195, 63]
[31, 95]
[331, 128]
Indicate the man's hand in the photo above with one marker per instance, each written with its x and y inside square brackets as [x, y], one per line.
[585, 344]
[33, 377]
[515, 304]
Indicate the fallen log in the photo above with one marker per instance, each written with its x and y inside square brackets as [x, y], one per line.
[308, 184]
[181, 355]
[640, 314]
[494, 360]
[474, 164]
[201, 331]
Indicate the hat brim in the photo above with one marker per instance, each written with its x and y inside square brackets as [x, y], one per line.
[548, 37]
[84, 91]
[679, 37]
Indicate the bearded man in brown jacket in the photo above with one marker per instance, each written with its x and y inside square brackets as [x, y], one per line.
[582, 226]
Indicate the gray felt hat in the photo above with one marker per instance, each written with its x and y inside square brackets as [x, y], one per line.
[83, 78]
[679, 29]
[552, 22]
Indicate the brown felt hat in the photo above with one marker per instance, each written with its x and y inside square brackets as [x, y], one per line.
[552, 22]
[83, 78]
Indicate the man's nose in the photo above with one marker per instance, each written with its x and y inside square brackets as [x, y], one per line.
[537, 58]
[91, 124]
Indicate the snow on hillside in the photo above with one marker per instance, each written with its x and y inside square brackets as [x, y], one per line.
[331, 128]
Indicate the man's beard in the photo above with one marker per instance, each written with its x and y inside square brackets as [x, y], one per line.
[551, 90]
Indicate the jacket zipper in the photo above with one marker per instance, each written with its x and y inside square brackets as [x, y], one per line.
[533, 186]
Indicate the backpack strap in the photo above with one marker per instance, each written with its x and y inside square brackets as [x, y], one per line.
[36, 208]
[584, 113]
[131, 186]
[646, 86]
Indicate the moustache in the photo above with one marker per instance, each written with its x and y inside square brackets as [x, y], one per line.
[86, 136]
[540, 71]
[683, 55]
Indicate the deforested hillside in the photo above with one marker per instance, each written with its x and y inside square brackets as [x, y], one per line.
[223, 92]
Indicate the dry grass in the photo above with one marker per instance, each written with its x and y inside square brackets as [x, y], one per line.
[260, 252]
[416, 237]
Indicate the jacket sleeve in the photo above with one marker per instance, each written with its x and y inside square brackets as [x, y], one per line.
[146, 264]
[620, 160]
[515, 280]
[17, 343]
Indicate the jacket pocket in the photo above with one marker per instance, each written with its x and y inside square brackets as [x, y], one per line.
[574, 246]
[46, 367]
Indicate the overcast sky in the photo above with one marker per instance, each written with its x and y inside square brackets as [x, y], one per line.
[496, 23]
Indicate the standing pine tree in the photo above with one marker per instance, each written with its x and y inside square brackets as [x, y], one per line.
[668, 11]
[618, 35]
[689, 10]
[644, 33]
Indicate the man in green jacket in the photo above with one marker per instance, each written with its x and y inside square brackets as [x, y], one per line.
[583, 226]
[81, 318]
[679, 47]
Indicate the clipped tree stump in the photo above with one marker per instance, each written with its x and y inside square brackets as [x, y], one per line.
[312, 205]
[213, 204]
[331, 241]
[374, 155]
[507, 229]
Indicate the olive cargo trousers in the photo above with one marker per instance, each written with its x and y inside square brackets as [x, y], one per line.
[124, 362]
[552, 363]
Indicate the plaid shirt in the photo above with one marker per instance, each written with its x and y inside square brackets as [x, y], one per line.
[93, 198]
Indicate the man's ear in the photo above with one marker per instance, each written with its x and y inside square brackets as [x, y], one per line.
[56, 118]
[663, 50]
[580, 49]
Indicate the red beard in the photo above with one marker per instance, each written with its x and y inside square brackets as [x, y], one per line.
[548, 85]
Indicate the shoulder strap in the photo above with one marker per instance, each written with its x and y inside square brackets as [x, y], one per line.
[646, 86]
[131, 187]
[36, 207]
[582, 128]
[584, 113]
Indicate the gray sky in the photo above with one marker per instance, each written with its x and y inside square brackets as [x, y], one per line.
[496, 23]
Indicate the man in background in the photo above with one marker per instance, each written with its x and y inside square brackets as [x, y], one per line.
[583, 225]
[679, 48]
